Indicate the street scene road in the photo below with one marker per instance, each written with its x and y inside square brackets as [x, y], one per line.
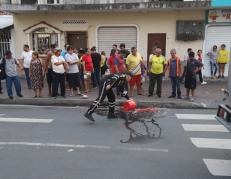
[59, 143]
[114, 89]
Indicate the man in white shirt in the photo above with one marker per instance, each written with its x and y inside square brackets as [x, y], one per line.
[58, 77]
[73, 72]
[26, 59]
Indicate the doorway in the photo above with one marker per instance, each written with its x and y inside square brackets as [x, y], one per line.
[156, 40]
[77, 39]
[28, 1]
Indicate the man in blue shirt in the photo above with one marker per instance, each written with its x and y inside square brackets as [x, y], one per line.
[64, 51]
[174, 66]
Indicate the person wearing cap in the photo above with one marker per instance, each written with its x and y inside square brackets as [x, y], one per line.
[58, 77]
[106, 89]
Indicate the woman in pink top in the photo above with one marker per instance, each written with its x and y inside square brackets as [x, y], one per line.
[199, 58]
[121, 63]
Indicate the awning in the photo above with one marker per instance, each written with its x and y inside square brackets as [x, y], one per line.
[6, 21]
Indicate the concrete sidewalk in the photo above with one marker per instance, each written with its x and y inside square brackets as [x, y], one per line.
[207, 96]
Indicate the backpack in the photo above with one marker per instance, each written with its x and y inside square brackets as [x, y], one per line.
[3, 69]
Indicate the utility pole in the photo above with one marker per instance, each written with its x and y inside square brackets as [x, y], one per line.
[229, 87]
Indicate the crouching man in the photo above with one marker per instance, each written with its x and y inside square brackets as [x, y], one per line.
[106, 89]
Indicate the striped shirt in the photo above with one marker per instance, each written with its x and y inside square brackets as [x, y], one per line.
[115, 80]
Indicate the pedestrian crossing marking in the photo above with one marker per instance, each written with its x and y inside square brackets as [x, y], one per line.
[26, 120]
[2, 114]
[204, 128]
[196, 116]
[218, 167]
[80, 146]
[212, 143]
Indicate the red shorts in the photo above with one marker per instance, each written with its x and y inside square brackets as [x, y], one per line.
[135, 80]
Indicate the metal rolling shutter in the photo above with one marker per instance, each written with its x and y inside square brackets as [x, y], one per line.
[215, 35]
[108, 35]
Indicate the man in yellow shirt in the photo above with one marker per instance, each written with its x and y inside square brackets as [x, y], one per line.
[156, 70]
[133, 64]
[223, 59]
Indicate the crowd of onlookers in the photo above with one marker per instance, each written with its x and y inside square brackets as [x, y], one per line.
[77, 71]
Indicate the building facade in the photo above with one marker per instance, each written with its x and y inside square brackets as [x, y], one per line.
[145, 24]
[7, 34]
[217, 31]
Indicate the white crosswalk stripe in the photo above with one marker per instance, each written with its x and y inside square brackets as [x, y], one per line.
[204, 127]
[212, 143]
[26, 120]
[217, 167]
[196, 116]
[2, 114]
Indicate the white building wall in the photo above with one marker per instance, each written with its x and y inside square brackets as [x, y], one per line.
[15, 1]
[147, 22]
[12, 42]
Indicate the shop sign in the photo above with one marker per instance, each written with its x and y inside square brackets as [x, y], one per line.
[219, 15]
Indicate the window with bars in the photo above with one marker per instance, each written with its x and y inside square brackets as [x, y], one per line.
[28, 1]
[5, 38]
[43, 38]
[50, 1]
[53, 1]
[74, 21]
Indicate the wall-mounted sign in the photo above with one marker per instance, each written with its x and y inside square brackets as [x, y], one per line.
[221, 3]
[219, 15]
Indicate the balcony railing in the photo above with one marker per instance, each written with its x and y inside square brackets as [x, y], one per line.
[112, 1]
[79, 2]
[103, 1]
[20, 6]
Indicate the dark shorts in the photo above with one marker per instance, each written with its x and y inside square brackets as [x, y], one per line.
[49, 76]
[190, 82]
[66, 77]
[73, 80]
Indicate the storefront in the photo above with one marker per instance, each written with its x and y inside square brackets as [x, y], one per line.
[217, 32]
[165, 29]
[121, 34]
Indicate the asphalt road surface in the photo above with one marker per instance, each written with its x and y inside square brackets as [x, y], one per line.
[59, 143]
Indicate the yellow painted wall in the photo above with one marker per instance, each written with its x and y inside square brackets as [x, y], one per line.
[147, 22]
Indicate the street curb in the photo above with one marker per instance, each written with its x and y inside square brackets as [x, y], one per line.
[87, 102]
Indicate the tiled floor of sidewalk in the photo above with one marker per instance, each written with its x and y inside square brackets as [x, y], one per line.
[209, 94]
